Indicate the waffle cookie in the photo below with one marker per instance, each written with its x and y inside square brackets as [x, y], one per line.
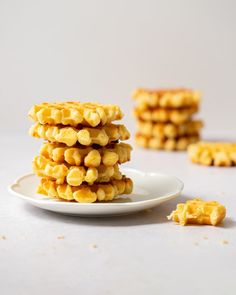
[74, 175]
[75, 113]
[84, 193]
[169, 144]
[164, 118]
[80, 160]
[161, 115]
[213, 153]
[169, 130]
[84, 135]
[166, 98]
[198, 211]
[87, 156]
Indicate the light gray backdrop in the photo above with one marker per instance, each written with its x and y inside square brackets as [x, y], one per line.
[102, 50]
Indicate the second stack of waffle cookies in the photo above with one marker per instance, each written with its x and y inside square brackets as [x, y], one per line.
[80, 160]
[164, 118]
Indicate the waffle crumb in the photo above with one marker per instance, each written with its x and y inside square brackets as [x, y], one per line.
[93, 246]
[205, 238]
[196, 244]
[3, 237]
[224, 242]
[61, 237]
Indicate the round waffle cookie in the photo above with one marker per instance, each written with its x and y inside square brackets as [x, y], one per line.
[84, 193]
[87, 156]
[75, 113]
[166, 98]
[160, 115]
[169, 130]
[74, 175]
[169, 144]
[213, 153]
[84, 135]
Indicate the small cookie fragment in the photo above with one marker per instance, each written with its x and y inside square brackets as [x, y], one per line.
[224, 242]
[198, 211]
[213, 153]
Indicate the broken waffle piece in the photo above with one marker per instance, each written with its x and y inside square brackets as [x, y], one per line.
[166, 98]
[169, 130]
[168, 144]
[213, 153]
[86, 193]
[84, 136]
[199, 212]
[161, 115]
[75, 113]
[74, 175]
[87, 156]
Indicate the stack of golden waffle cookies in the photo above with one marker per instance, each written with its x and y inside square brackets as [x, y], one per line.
[164, 118]
[80, 160]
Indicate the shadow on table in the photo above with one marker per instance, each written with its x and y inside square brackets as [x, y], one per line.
[150, 216]
[228, 223]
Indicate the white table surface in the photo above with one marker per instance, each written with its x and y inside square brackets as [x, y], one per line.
[137, 254]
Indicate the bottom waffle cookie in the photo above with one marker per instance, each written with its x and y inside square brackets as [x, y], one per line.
[86, 193]
[169, 144]
[213, 153]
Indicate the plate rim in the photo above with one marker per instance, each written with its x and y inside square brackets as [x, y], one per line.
[125, 204]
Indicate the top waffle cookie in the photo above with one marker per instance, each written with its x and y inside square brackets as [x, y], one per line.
[75, 113]
[166, 98]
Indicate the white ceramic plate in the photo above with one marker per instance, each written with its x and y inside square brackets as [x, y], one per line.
[150, 189]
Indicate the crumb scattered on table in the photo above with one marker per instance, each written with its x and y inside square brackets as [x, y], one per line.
[61, 237]
[196, 244]
[224, 242]
[3, 237]
[205, 238]
[93, 246]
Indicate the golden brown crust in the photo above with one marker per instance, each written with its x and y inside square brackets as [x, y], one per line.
[166, 98]
[86, 193]
[75, 113]
[170, 144]
[169, 130]
[87, 156]
[213, 153]
[84, 136]
[198, 211]
[74, 175]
